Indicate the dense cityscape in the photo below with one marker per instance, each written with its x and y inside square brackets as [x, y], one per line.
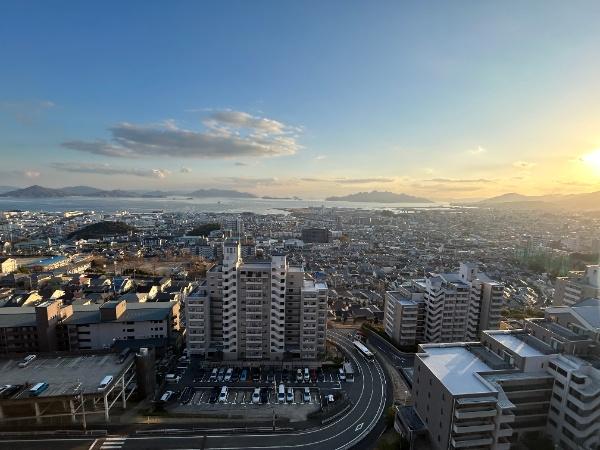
[299, 225]
[172, 319]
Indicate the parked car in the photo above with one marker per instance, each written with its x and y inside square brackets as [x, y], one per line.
[223, 394]
[285, 376]
[213, 374]
[306, 395]
[313, 375]
[306, 375]
[299, 376]
[236, 375]
[264, 395]
[244, 374]
[290, 395]
[167, 396]
[281, 393]
[256, 374]
[256, 396]
[342, 374]
[214, 395]
[221, 374]
[228, 374]
[270, 376]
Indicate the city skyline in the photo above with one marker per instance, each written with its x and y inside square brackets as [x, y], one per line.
[444, 102]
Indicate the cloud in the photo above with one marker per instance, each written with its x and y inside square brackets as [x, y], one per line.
[363, 180]
[239, 119]
[228, 134]
[28, 173]
[26, 111]
[320, 157]
[349, 180]
[524, 165]
[459, 180]
[106, 169]
[185, 170]
[478, 151]
[240, 164]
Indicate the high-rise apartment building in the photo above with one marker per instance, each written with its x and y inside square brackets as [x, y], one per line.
[490, 394]
[447, 307]
[577, 286]
[257, 309]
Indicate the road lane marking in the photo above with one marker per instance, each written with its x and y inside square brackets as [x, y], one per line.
[359, 426]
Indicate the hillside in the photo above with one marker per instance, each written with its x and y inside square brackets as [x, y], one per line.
[567, 202]
[378, 197]
[101, 229]
[36, 192]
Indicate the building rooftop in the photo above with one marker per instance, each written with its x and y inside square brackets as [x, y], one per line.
[456, 367]
[64, 374]
[17, 316]
[514, 342]
[589, 309]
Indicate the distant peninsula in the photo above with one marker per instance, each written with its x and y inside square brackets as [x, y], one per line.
[88, 191]
[379, 197]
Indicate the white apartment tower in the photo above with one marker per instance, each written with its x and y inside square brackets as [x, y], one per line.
[446, 307]
[257, 310]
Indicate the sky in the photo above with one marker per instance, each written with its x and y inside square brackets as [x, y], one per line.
[444, 100]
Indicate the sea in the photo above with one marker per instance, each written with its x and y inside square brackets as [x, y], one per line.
[185, 204]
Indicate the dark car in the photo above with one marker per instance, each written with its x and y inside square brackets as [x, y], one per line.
[244, 374]
[270, 376]
[235, 377]
[214, 395]
[264, 395]
[256, 374]
[285, 375]
[313, 375]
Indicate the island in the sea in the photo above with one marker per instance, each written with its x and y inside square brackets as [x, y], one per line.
[379, 197]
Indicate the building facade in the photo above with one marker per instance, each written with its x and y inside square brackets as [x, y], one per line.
[256, 310]
[448, 307]
[577, 286]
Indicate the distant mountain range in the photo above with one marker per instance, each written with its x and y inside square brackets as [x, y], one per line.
[379, 197]
[571, 202]
[88, 191]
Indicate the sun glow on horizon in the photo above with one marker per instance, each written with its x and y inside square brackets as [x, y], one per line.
[592, 159]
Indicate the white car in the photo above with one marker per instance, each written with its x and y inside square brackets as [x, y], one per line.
[223, 394]
[290, 395]
[228, 374]
[166, 396]
[256, 396]
[306, 395]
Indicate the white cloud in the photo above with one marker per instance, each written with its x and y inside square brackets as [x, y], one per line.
[524, 165]
[228, 134]
[478, 151]
[107, 169]
[320, 157]
[185, 170]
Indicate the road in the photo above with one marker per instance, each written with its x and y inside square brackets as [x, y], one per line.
[370, 399]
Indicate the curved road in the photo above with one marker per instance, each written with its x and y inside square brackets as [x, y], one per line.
[369, 400]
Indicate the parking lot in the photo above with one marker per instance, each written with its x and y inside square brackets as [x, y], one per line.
[250, 391]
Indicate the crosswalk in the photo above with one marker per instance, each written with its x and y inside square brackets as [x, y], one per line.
[113, 443]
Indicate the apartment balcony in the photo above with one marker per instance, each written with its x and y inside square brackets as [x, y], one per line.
[475, 441]
[474, 427]
[504, 431]
[475, 414]
[503, 444]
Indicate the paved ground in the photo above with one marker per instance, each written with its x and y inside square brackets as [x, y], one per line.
[370, 395]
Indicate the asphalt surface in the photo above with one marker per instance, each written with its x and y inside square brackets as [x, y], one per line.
[364, 420]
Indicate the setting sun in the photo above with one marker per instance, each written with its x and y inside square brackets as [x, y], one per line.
[593, 159]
